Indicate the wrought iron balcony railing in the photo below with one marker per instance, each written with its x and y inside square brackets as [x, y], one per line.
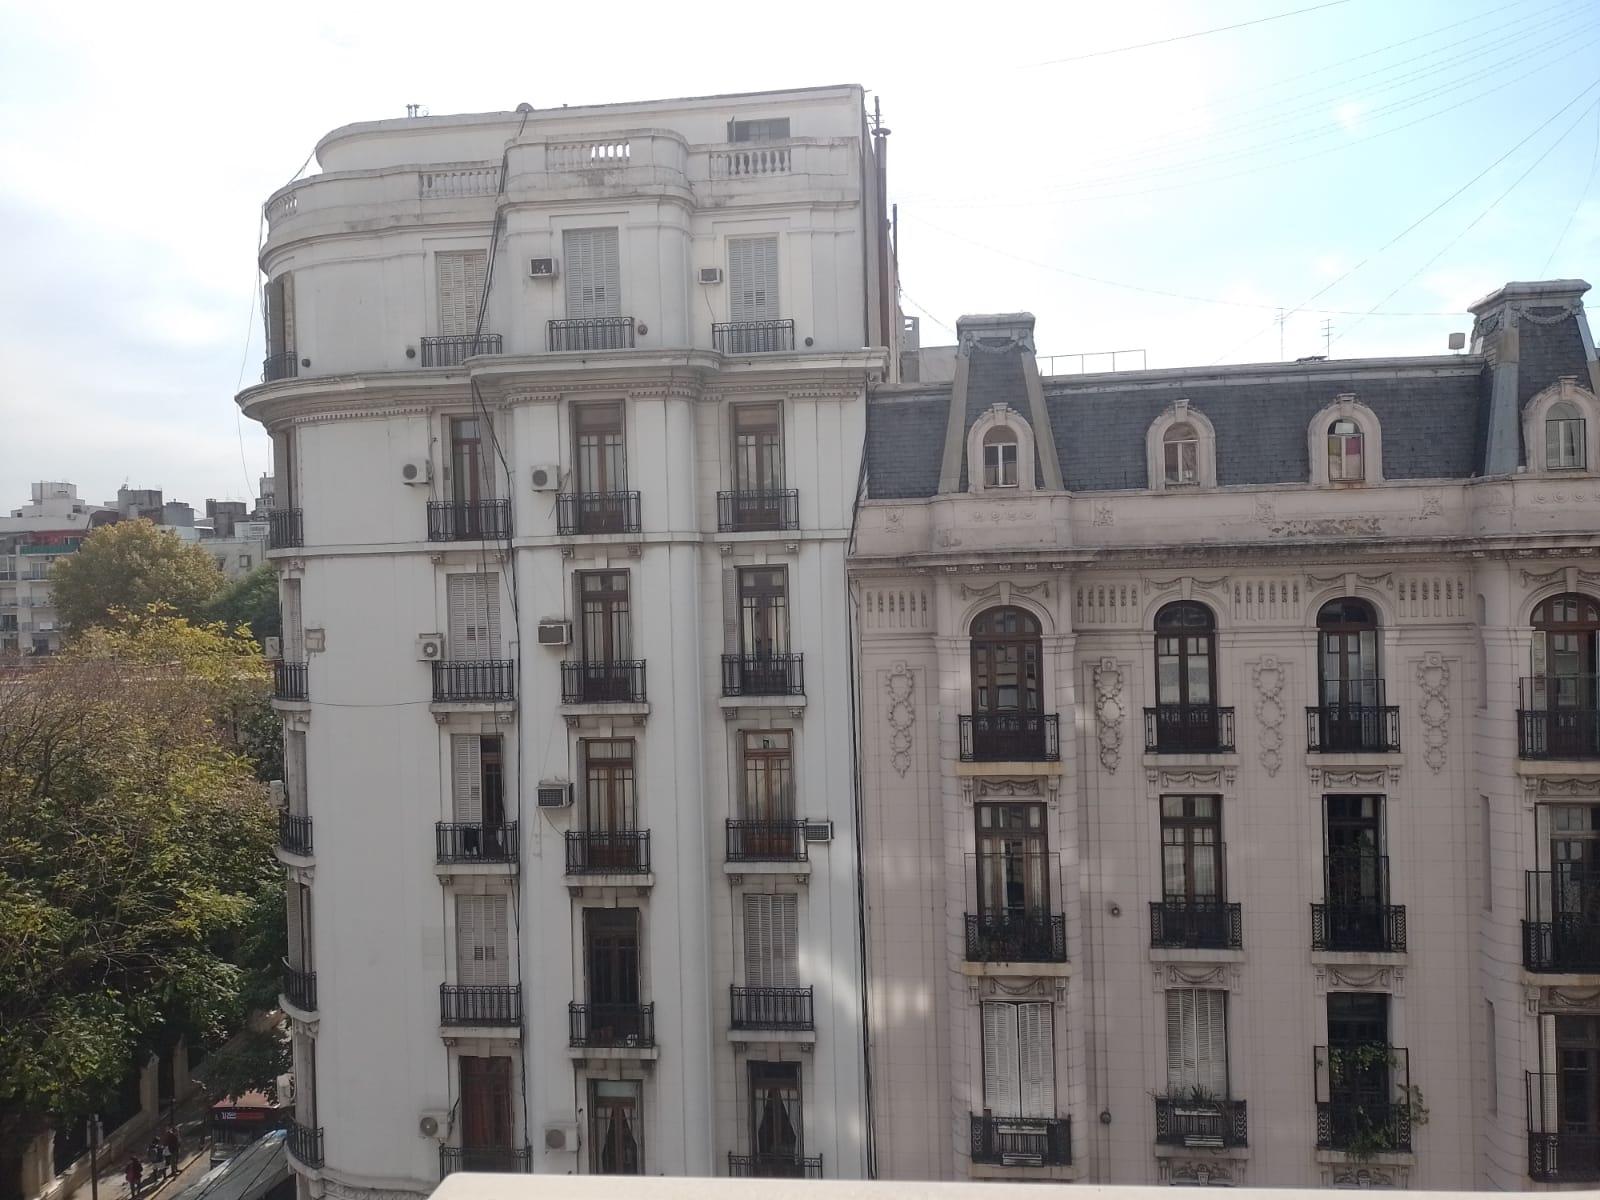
[1557, 1154]
[454, 350]
[1196, 925]
[499, 1160]
[469, 521]
[300, 988]
[283, 529]
[480, 1004]
[603, 682]
[623, 1025]
[608, 852]
[752, 337]
[1214, 1124]
[1372, 928]
[1341, 1124]
[1188, 729]
[1021, 1141]
[304, 1143]
[745, 510]
[1016, 937]
[475, 842]
[294, 834]
[1010, 737]
[1364, 1098]
[288, 680]
[772, 1008]
[763, 675]
[767, 841]
[597, 512]
[774, 1166]
[1353, 729]
[595, 333]
[279, 366]
[474, 680]
[1558, 716]
[1561, 931]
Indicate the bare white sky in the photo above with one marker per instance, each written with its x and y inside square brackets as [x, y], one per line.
[1168, 198]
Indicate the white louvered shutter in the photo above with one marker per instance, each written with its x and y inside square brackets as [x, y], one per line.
[1197, 1041]
[286, 311]
[482, 941]
[290, 618]
[1036, 1060]
[294, 755]
[757, 940]
[753, 276]
[594, 277]
[472, 602]
[466, 767]
[297, 952]
[785, 941]
[1001, 1086]
[461, 276]
[771, 941]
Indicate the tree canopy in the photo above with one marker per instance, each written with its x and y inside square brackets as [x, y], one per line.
[132, 565]
[251, 602]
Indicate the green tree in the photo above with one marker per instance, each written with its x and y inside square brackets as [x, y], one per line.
[132, 565]
[253, 603]
[137, 878]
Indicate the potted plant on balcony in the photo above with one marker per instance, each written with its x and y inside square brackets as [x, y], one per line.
[1375, 1129]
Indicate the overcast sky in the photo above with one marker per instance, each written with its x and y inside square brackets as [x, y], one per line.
[1167, 198]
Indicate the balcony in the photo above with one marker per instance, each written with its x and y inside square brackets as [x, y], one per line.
[599, 333]
[602, 682]
[752, 337]
[288, 680]
[774, 1166]
[1558, 717]
[597, 512]
[1196, 925]
[1364, 1099]
[607, 852]
[455, 350]
[457, 842]
[498, 1160]
[482, 1005]
[751, 511]
[483, 681]
[1213, 1124]
[772, 1008]
[766, 841]
[469, 521]
[294, 834]
[1353, 729]
[1359, 927]
[1016, 937]
[279, 366]
[304, 1143]
[283, 529]
[1021, 1141]
[300, 988]
[1188, 729]
[611, 1025]
[1010, 737]
[763, 675]
[1561, 931]
[1557, 1155]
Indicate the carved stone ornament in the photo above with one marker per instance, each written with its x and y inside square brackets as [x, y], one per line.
[1223, 975]
[1327, 527]
[1542, 787]
[1109, 711]
[1364, 1175]
[899, 684]
[1269, 676]
[1104, 514]
[1433, 677]
[1378, 777]
[1168, 779]
[1350, 977]
[1201, 1172]
[1570, 999]
[1432, 505]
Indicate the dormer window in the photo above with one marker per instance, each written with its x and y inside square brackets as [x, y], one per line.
[1564, 438]
[1000, 458]
[1346, 458]
[1180, 447]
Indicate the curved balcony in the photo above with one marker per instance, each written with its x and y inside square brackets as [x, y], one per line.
[294, 834]
[304, 1143]
[284, 529]
[300, 988]
[289, 680]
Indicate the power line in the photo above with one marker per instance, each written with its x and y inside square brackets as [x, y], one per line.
[905, 295]
[1594, 161]
[1184, 37]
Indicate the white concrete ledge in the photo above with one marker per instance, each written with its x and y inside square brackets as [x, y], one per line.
[753, 1037]
[800, 867]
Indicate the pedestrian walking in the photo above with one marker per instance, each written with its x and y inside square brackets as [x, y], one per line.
[152, 1156]
[174, 1148]
[134, 1174]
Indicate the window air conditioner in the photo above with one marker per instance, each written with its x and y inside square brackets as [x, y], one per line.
[430, 647]
[710, 274]
[542, 268]
[417, 470]
[554, 794]
[555, 633]
[819, 831]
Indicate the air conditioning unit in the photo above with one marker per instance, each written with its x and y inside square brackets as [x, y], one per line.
[555, 633]
[546, 478]
[819, 831]
[272, 647]
[561, 1137]
[710, 274]
[434, 1125]
[430, 647]
[542, 268]
[416, 471]
[554, 794]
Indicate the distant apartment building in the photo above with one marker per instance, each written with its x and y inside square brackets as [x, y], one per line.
[567, 409]
[32, 537]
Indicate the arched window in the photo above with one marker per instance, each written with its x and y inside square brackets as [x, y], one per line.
[1180, 450]
[1000, 458]
[1346, 457]
[1564, 438]
[1006, 656]
[1559, 701]
[1351, 715]
[1186, 713]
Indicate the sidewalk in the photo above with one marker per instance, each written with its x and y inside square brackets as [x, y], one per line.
[191, 1118]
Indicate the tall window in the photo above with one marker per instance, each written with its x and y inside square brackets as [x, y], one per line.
[1191, 848]
[608, 797]
[1577, 1084]
[1358, 1021]
[757, 448]
[771, 941]
[1566, 636]
[298, 903]
[1197, 1043]
[1180, 450]
[486, 1113]
[483, 954]
[611, 956]
[753, 279]
[472, 604]
[594, 274]
[1013, 860]
[616, 1129]
[599, 455]
[460, 276]
[763, 611]
[277, 312]
[1348, 665]
[1356, 879]
[1000, 458]
[768, 793]
[603, 607]
[1185, 654]
[1019, 1075]
[1575, 871]
[775, 1125]
[1564, 448]
[471, 463]
[477, 787]
[1006, 655]
[1346, 454]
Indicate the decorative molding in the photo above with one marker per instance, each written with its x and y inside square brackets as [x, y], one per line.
[1109, 711]
[1540, 787]
[1326, 976]
[1224, 975]
[1201, 1172]
[1327, 527]
[1365, 1175]
[899, 683]
[1433, 677]
[1104, 514]
[1432, 505]
[1539, 578]
[1337, 777]
[1269, 677]
[1163, 779]
[1265, 512]
[1570, 999]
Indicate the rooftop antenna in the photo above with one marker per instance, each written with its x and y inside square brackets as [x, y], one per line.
[416, 110]
[877, 119]
[1327, 336]
[1282, 318]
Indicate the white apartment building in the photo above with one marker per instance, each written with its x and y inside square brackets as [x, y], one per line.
[1238, 728]
[32, 537]
[567, 410]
